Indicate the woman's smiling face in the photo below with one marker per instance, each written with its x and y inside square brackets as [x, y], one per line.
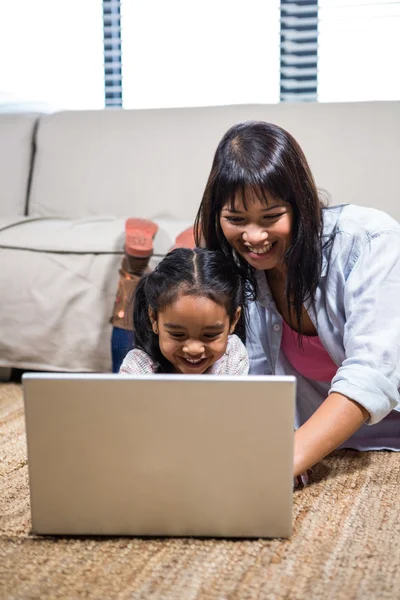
[261, 232]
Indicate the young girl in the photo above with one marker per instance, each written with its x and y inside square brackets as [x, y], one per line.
[185, 314]
[327, 281]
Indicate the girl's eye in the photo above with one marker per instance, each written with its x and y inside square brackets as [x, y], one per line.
[176, 336]
[211, 336]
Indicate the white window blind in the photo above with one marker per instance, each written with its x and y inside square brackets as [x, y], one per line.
[359, 50]
[112, 53]
[51, 52]
[180, 53]
[213, 52]
[299, 50]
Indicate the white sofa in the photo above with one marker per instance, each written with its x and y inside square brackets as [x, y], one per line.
[68, 181]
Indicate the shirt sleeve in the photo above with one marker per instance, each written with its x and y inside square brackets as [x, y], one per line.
[370, 373]
[137, 362]
[235, 360]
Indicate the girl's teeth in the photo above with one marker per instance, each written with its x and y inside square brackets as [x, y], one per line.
[262, 250]
[194, 361]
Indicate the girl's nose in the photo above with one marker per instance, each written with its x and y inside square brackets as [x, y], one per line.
[193, 347]
[254, 235]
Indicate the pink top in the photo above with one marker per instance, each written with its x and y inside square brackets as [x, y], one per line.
[311, 360]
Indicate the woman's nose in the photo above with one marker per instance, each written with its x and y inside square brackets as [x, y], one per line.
[193, 347]
[253, 234]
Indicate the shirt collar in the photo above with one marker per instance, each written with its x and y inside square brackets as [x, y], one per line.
[264, 295]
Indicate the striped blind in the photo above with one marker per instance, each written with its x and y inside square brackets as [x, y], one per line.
[299, 50]
[330, 50]
[112, 53]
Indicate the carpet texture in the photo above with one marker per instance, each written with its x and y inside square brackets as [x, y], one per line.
[346, 541]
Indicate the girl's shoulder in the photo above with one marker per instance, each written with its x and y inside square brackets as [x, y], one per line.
[235, 345]
[137, 362]
[235, 361]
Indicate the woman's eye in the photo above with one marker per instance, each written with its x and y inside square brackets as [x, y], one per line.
[236, 220]
[273, 217]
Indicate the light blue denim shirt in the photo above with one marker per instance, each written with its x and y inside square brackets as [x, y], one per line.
[357, 316]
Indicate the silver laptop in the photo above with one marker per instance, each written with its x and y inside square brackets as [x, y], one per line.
[160, 455]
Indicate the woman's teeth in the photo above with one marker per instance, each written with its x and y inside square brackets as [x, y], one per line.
[262, 250]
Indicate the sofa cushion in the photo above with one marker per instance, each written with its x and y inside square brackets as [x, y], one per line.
[16, 148]
[124, 162]
[12, 221]
[155, 163]
[93, 235]
[58, 284]
[55, 310]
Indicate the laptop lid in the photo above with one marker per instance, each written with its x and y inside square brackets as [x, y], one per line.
[160, 455]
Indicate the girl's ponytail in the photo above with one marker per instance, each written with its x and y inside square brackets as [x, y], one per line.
[146, 292]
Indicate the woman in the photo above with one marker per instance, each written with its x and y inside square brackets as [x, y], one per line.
[327, 290]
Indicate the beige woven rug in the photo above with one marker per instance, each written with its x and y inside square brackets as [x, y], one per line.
[346, 541]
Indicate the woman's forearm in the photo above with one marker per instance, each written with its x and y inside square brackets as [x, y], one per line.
[333, 422]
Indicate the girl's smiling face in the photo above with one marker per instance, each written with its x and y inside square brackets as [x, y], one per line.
[193, 333]
[260, 232]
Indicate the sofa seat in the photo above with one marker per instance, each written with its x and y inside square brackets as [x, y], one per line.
[13, 220]
[58, 282]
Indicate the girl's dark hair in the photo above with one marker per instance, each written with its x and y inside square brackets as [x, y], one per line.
[263, 157]
[197, 272]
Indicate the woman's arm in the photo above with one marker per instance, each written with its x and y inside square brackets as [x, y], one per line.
[333, 423]
[365, 387]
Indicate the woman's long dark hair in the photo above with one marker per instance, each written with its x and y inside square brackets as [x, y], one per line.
[197, 272]
[263, 157]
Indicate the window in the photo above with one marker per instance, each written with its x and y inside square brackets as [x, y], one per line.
[112, 53]
[213, 52]
[181, 53]
[299, 50]
[52, 52]
[359, 50]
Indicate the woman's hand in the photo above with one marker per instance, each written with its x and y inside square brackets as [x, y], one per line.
[333, 423]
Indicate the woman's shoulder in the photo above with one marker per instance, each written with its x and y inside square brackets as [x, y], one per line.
[349, 230]
[137, 362]
[357, 220]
